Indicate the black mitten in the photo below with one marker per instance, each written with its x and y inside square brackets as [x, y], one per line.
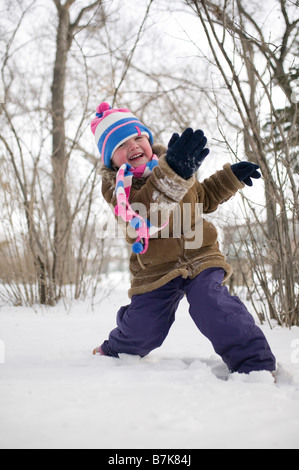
[186, 153]
[244, 171]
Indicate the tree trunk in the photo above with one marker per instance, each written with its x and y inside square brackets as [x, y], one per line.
[59, 155]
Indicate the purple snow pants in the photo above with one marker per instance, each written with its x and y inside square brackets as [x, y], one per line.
[144, 324]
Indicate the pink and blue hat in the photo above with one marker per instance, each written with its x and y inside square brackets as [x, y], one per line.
[112, 127]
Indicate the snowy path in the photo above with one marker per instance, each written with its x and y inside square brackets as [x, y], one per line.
[55, 394]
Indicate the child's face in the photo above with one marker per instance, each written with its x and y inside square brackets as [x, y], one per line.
[135, 151]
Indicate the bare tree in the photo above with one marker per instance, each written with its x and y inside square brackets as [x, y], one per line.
[49, 208]
[255, 68]
[66, 31]
[50, 254]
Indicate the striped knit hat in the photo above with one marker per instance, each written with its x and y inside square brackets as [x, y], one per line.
[112, 127]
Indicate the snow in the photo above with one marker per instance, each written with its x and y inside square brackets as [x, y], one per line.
[55, 394]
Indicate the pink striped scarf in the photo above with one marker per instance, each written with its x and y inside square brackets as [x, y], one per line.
[123, 208]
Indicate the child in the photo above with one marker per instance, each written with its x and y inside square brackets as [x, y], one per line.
[164, 269]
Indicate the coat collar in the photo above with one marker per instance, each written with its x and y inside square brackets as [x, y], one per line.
[109, 174]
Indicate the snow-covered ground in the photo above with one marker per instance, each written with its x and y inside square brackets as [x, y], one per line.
[55, 394]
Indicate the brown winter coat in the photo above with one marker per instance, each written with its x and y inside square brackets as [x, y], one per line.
[167, 258]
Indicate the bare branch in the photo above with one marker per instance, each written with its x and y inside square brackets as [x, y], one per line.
[84, 10]
[57, 4]
[130, 57]
[68, 3]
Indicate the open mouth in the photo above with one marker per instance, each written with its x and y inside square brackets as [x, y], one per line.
[134, 157]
